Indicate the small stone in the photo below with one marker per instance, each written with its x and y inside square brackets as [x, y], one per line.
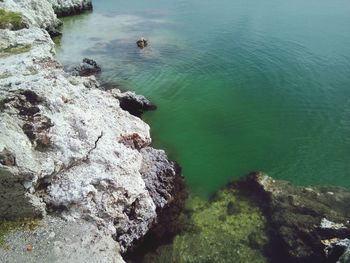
[29, 248]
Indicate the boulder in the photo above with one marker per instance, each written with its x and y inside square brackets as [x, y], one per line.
[142, 43]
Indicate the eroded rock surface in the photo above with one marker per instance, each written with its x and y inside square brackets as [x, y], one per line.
[87, 68]
[67, 147]
[309, 224]
[70, 7]
[133, 103]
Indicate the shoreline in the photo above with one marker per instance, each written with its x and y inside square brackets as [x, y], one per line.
[70, 152]
[62, 123]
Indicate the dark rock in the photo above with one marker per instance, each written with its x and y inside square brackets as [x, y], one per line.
[87, 68]
[168, 190]
[257, 240]
[232, 209]
[161, 176]
[133, 103]
[35, 125]
[54, 32]
[7, 158]
[31, 97]
[307, 224]
[142, 43]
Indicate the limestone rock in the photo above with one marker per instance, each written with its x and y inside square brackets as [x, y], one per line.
[70, 7]
[35, 13]
[55, 240]
[78, 154]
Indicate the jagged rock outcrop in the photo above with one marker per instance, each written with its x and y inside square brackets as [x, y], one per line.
[70, 7]
[308, 224]
[67, 147]
[86, 68]
[135, 104]
[35, 13]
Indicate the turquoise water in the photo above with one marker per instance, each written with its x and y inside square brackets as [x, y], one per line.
[240, 85]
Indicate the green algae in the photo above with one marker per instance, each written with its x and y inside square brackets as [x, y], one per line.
[7, 226]
[12, 20]
[229, 228]
[15, 49]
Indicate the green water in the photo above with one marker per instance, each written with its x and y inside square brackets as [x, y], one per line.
[240, 85]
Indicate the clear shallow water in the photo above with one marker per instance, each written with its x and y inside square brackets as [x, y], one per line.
[241, 85]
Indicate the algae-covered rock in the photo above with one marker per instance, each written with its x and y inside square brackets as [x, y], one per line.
[215, 232]
[309, 224]
[11, 20]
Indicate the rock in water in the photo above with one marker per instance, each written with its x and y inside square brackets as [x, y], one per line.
[142, 43]
[87, 68]
[133, 103]
[309, 224]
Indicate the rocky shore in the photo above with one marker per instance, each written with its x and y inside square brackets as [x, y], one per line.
[80, 181]
[306, 224]
[70, 154]
[259, 219]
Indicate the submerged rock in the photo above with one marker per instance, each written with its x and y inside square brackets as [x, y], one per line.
[211, 233]
[308, 224]
[133, 103]
[87, 68]
[53, 32]
[142, 43]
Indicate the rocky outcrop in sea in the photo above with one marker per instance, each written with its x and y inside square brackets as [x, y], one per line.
[68, 150]
[306, 224]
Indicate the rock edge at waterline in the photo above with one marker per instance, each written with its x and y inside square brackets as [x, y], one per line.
[307, 224]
